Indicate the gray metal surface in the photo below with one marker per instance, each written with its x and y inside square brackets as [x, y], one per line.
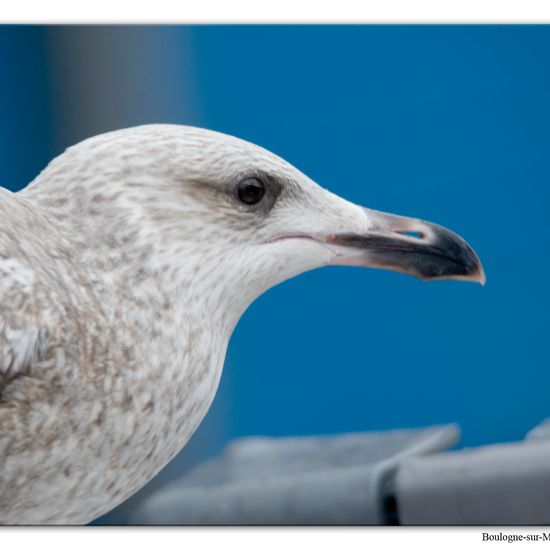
[342, 479]
[506, 484]
[540, 432]
[362, 479]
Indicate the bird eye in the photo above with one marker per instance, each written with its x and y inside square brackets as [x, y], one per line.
[250, 191]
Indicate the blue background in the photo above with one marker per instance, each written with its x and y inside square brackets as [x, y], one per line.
[446, 123]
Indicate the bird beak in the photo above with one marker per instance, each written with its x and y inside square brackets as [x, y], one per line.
[415, 247]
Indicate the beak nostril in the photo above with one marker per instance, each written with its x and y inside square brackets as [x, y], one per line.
[414, 234]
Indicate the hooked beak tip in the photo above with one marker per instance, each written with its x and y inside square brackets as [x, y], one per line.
[481, 277]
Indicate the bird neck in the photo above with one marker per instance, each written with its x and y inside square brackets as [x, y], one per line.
[173, 299]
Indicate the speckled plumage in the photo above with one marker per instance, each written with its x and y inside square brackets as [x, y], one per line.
[124, 267]
[115, 316]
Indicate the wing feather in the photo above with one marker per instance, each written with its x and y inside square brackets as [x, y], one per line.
[22, 340]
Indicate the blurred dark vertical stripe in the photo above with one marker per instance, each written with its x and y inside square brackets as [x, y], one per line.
[110, 77]
[26, 117]
[105, 78]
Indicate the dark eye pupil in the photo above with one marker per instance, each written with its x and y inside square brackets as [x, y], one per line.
[250, 191]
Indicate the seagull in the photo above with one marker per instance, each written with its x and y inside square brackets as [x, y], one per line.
[124, 268]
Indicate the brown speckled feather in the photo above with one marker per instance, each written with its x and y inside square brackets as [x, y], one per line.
[119, 283]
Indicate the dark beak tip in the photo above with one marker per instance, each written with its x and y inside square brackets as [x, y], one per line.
[475, 269]
[481, 278]
[459, 255]
[478, 277]
[473, 273]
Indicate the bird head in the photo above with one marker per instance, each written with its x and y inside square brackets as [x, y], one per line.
[224, 209]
